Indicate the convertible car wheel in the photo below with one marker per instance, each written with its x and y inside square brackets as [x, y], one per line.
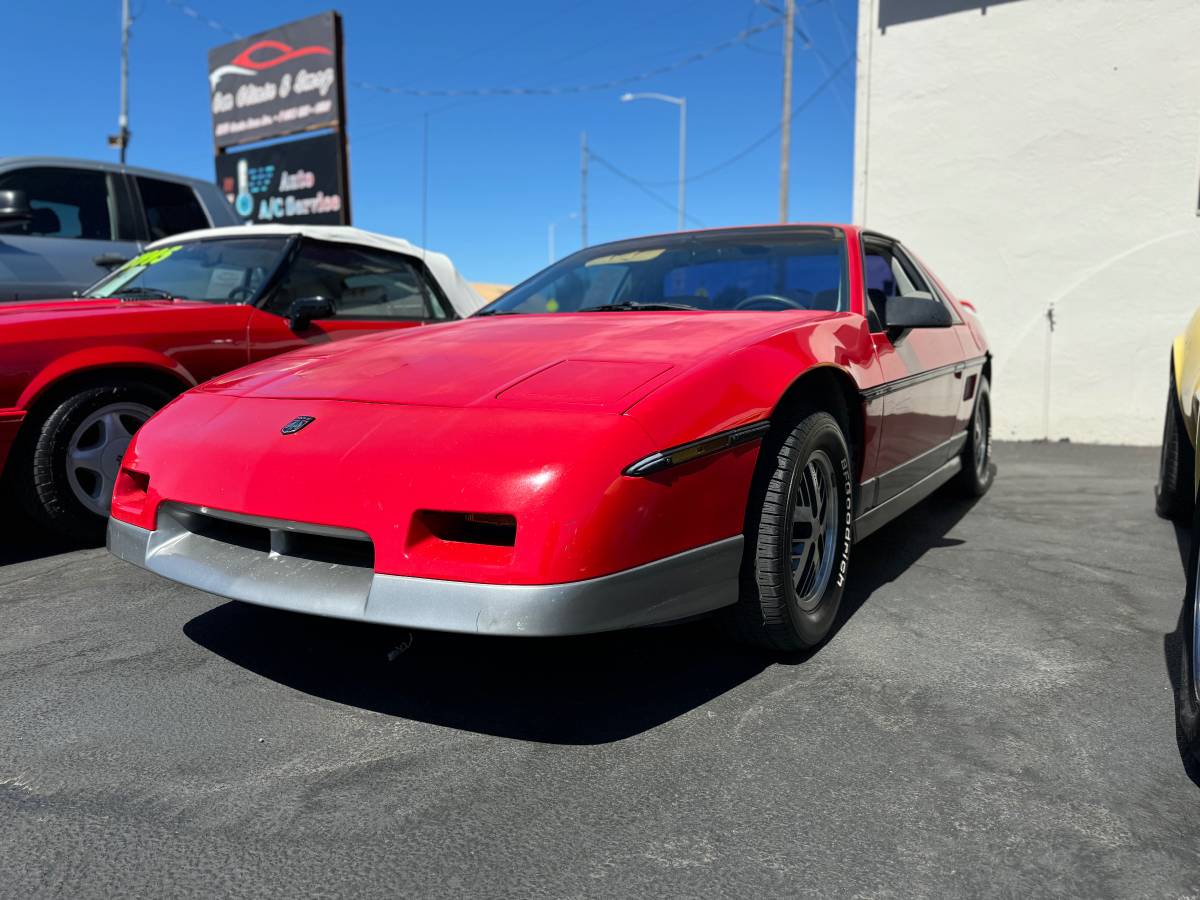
[799, 535]
[978, 470]
[72, 458]
[1173, 498]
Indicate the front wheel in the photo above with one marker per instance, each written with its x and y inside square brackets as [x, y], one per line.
[69, 461]
[798, 538]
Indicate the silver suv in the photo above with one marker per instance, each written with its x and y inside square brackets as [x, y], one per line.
[66, 223]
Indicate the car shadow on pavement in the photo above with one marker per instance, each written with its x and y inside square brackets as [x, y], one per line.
[580, 690]
[22, 540]
[1174, 646]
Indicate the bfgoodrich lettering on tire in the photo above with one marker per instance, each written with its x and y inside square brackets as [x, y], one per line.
[799, 535]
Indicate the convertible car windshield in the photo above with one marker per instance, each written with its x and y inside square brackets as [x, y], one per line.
[788, 269]
[222, 270]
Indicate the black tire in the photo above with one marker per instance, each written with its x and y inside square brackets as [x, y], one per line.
[771, 611]
[978, 469]
[41, 479]
[1187, 701]
[1173, 494]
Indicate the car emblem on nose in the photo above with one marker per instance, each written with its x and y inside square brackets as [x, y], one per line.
[296, 424]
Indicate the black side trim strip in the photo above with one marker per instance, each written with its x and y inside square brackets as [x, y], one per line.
[889, 387]
[714, 443]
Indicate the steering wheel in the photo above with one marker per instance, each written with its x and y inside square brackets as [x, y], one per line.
[786, 302]
[241, 295]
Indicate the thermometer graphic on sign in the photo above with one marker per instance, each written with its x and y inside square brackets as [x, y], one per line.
[244, 204]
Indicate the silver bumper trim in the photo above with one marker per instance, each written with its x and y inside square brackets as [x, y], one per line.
[687, 584]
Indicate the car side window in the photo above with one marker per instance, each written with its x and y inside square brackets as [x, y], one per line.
[66, 202]
[361, 283]
[170, 207]
[880, 278]
[924, 284]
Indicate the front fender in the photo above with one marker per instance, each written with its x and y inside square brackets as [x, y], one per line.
[94, 358]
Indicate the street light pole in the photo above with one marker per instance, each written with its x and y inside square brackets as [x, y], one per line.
[551, 230]
[681, 102]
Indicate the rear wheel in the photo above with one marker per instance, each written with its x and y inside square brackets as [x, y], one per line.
[69, 461]
[978, 470]
[798, 538]
[1188, 689]
[1173, 494]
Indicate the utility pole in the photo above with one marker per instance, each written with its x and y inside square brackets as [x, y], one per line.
[785, 140]
[583, 178]
[121, 138]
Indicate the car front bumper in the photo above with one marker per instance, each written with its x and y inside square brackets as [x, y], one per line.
[676, 587]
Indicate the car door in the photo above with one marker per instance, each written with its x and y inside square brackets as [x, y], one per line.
[369, 290]
[81, 226]
[922, 371]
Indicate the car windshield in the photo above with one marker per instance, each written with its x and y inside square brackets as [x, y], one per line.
[218, 270]
[778, 269]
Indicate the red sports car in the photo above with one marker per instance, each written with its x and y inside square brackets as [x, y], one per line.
[78, 377]
[643, 432]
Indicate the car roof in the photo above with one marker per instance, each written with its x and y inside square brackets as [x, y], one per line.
[463, 297]
[12, 162]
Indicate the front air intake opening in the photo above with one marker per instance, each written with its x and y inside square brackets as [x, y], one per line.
[278, 539]
[470, 528]
[239, 534]
[324, 548]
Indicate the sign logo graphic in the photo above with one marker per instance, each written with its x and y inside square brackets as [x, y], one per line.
[245, 63]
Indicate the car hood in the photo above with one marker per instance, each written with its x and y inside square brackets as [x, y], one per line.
[599, 361]
[50, 309]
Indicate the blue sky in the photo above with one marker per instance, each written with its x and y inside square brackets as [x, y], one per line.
[500, 168]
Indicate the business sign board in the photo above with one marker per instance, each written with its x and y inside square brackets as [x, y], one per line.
[278, 82]
[295, 183]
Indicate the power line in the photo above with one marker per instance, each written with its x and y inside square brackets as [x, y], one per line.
[203, 19]
[758, 142]
[663, 201]
[702, 55]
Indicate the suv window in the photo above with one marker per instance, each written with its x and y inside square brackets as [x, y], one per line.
[66, 203]
[171, 207]
[361, 283]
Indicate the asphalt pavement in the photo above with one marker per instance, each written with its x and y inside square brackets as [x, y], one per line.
[993, 717]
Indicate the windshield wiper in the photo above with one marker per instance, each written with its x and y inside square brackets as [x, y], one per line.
[495, 312]
[633, 304]
[137, 293]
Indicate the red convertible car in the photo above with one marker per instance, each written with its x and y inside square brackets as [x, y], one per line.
[78, 377]
[645, 431]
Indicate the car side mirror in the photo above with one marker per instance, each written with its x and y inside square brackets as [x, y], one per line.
[304, 309]
[915, 311]
[14, 209]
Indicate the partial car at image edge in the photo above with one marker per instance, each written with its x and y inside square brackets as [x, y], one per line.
[1175, 498]
[79, 376]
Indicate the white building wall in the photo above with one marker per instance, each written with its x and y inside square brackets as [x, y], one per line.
[1045, 152]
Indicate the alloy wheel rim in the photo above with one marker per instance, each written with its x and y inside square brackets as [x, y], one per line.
[95, 451]
[982, 439]
[813, 530]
